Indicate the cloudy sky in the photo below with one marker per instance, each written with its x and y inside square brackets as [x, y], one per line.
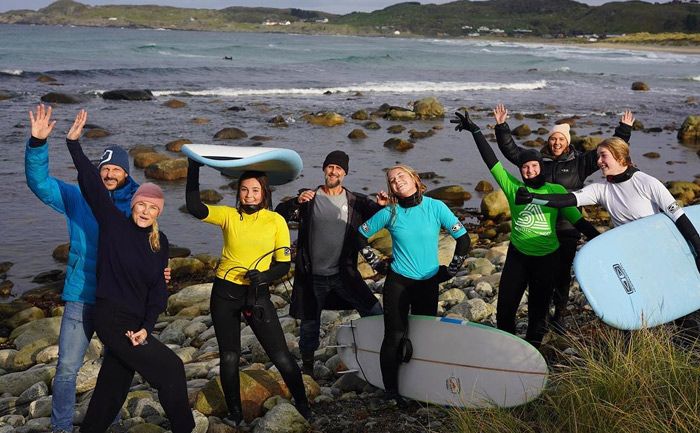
[338, 7]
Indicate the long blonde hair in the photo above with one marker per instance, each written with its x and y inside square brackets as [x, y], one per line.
[619, 149]
[393, 199]
[154, 237]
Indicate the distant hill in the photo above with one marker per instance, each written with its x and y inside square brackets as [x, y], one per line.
[536, 17]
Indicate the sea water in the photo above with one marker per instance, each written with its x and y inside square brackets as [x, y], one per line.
[289, 75]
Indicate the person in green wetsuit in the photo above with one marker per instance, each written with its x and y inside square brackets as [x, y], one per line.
[533, 254]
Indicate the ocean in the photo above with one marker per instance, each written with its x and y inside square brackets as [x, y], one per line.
[289, 75]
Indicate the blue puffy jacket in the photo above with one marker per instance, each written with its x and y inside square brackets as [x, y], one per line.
[81, 279]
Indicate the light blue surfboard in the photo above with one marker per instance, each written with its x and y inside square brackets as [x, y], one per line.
[454, 363]
[641, 274]
[280, 165]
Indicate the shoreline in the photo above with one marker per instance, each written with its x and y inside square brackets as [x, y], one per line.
[603, 44]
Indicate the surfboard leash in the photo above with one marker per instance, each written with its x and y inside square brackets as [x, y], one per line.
[354, 342]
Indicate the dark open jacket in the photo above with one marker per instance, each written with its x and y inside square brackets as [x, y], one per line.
[569, 170]
[303, 305]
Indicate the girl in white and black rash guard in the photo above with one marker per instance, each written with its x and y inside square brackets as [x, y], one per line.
[131, 292]
[627, 195]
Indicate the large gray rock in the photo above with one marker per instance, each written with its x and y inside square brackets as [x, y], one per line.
[48, 329]
[282, 418]
[429, 107]
[25, 316]
[7, 357]
[189, 296]
[495, 205]
[87, 376]
[201, 422]
[62, 98]
[16, 383]
[474, 310]
[144, 407]
[35, 426]
[689, 131]
[39, 389]
[174, 332]
[12, 420]
[40, 408]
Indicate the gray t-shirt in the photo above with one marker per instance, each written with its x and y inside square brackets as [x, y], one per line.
[330, 218]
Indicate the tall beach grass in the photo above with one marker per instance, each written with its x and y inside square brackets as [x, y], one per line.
[617, 382]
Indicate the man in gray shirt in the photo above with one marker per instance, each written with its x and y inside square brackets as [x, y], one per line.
[326, 275]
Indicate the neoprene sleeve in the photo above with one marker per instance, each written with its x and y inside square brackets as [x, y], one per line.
[277, 270]
[192, 199]
[585, 227]
[689, 233]
[461, 251]
[487, 154]
[554, 200]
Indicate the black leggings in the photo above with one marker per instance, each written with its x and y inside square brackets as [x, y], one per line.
[567, 251]
[154, 361]
[228, 301]
[538, 274]
[400, 293]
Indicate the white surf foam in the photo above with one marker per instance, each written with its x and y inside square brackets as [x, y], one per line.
[15, 72]
[387, 87]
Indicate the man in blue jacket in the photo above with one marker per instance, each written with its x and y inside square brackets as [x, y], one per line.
[81, 280]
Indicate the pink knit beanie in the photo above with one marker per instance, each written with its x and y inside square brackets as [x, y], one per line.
[151, 193]
[563, 129]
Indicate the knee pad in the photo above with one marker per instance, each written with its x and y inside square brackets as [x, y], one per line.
[229, 357]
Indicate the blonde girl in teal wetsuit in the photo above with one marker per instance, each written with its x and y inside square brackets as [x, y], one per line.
[414, 222]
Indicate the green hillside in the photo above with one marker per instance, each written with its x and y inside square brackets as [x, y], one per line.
[539, 17]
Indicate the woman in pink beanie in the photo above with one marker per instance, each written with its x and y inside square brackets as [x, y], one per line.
[131, 293]
[569, 167]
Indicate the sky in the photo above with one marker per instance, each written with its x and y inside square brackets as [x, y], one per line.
[332, 6]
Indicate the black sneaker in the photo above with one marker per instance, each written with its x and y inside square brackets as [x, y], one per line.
[307, 365]
[304, 410]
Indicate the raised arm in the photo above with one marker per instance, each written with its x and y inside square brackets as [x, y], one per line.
[624, 129]
[36, 160]
[91, 185]
[503, 136]
[465, 123]
[192, 199]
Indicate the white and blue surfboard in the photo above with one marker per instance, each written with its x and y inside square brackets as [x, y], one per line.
[280, 165]
[454, 363]
[641, 274]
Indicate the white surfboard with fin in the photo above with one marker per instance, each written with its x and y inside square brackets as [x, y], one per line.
[454, 362]
[280, 165]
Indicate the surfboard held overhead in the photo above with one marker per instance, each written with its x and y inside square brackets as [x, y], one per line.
[280, 165]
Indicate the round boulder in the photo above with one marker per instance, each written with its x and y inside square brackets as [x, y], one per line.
[640, 86]
[62, 98]
[689, 133]
[96, 133]
[428, 108]
[398, 144]
[129, 95]
[449, 193]
[143, 160]
[176, 145]
[357, 134]
[324, 119]
[175, 103]
[495, 205]
[169, 169]
[230, 134]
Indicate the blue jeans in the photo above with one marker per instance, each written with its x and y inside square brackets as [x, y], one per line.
[310, 329]
[77, 327]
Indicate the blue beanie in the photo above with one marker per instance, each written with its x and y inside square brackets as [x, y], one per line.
[115, 155]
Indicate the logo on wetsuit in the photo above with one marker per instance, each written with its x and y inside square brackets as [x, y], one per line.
[456, 227]
[624, 278]
[673, 207]
[365, 227]
[287, 251]
[532, 219]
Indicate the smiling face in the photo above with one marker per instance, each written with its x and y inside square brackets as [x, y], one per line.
[333, 175]
[608, 164]
[250, 192]
[530, 170]
[557, 144]
[144, 213]
[401, 182]
[112, 176]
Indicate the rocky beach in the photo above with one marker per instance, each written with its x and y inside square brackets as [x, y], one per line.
[312, 106]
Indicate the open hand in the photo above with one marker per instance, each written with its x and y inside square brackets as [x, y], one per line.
[41, 122]
[307, 195]
[500, 113]
[137, 338]
[464, 123]
[627, 118]
[523, 196]
[76, 130]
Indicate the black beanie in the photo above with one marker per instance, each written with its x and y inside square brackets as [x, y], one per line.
[529, 155]
[339, 158]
